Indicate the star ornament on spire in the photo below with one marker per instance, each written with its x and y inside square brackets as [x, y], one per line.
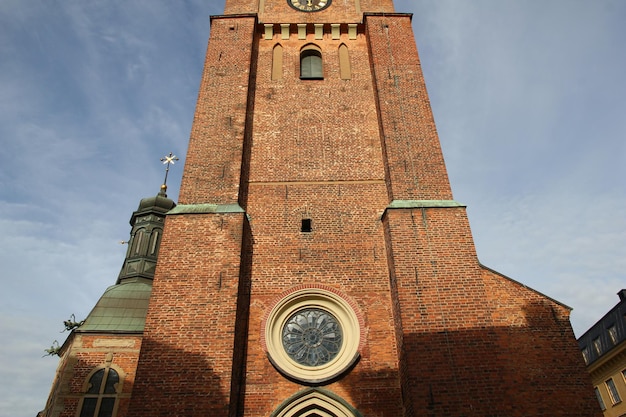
[167, 161]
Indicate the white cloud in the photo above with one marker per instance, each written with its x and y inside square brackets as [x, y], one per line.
[528, 100]
[559, 244]
[27, 374]
[528, 96]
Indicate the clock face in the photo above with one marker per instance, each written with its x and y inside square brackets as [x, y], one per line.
[309, 5]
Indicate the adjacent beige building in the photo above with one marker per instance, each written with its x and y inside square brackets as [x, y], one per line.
[603, 347]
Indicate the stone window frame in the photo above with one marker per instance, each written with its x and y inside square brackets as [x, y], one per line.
[612, 390]
[326, 298]
[101, 395]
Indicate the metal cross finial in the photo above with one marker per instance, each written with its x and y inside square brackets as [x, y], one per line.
[167, 160]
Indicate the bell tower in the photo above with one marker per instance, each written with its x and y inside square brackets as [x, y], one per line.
[317, 263]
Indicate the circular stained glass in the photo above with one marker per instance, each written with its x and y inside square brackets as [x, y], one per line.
[312, 337]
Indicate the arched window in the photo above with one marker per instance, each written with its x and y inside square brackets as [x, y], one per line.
[320, 311]
[311, 63]
[100, 397]
[154, 241]
[138, 242]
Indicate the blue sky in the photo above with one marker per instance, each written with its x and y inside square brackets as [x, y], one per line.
[529, 99]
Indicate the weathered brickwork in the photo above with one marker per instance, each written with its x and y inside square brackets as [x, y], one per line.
[441, 333]
[189, 337]
[315, 130]
[439, 304]
[345, 250]
[539, 361]
[216, 147]
[83, 353]
[475, 342]
[416, 170]
[316, 154]
[336, 183]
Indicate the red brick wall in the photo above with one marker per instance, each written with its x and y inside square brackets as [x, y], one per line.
[315, 130]
[346, 251]
[540, 363]
[189, 339]
[83, 354]
[475, 343]
[416, 170]
[212, 171]
[234, 7]
[316, 153]
[440, 306]
[438, 339]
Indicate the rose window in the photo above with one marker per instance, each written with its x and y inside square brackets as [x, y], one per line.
[312, 337]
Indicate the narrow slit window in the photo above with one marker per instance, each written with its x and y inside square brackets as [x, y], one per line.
[154, 242]
[138, 242]
[306, 225]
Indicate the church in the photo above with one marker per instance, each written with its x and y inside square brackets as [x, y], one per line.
[316, 263]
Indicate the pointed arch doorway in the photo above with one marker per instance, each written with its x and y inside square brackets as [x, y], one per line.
[315, 402]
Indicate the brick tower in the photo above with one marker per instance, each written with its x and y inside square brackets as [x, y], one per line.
[316, 263]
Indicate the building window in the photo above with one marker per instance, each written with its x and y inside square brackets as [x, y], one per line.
[600, 400]
[154, 242]
[138, 242]
[613, 334]
[585, 352]
[312, 334]
[597, 345]
[612, 389]
[306, 226]
[311, 63]
[312, 337]
[101, 395]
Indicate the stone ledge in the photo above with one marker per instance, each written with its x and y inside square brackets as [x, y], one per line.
[319, 29]
[205, 209]
[409, 204]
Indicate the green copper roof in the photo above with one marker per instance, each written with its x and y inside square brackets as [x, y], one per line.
[122, 308]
